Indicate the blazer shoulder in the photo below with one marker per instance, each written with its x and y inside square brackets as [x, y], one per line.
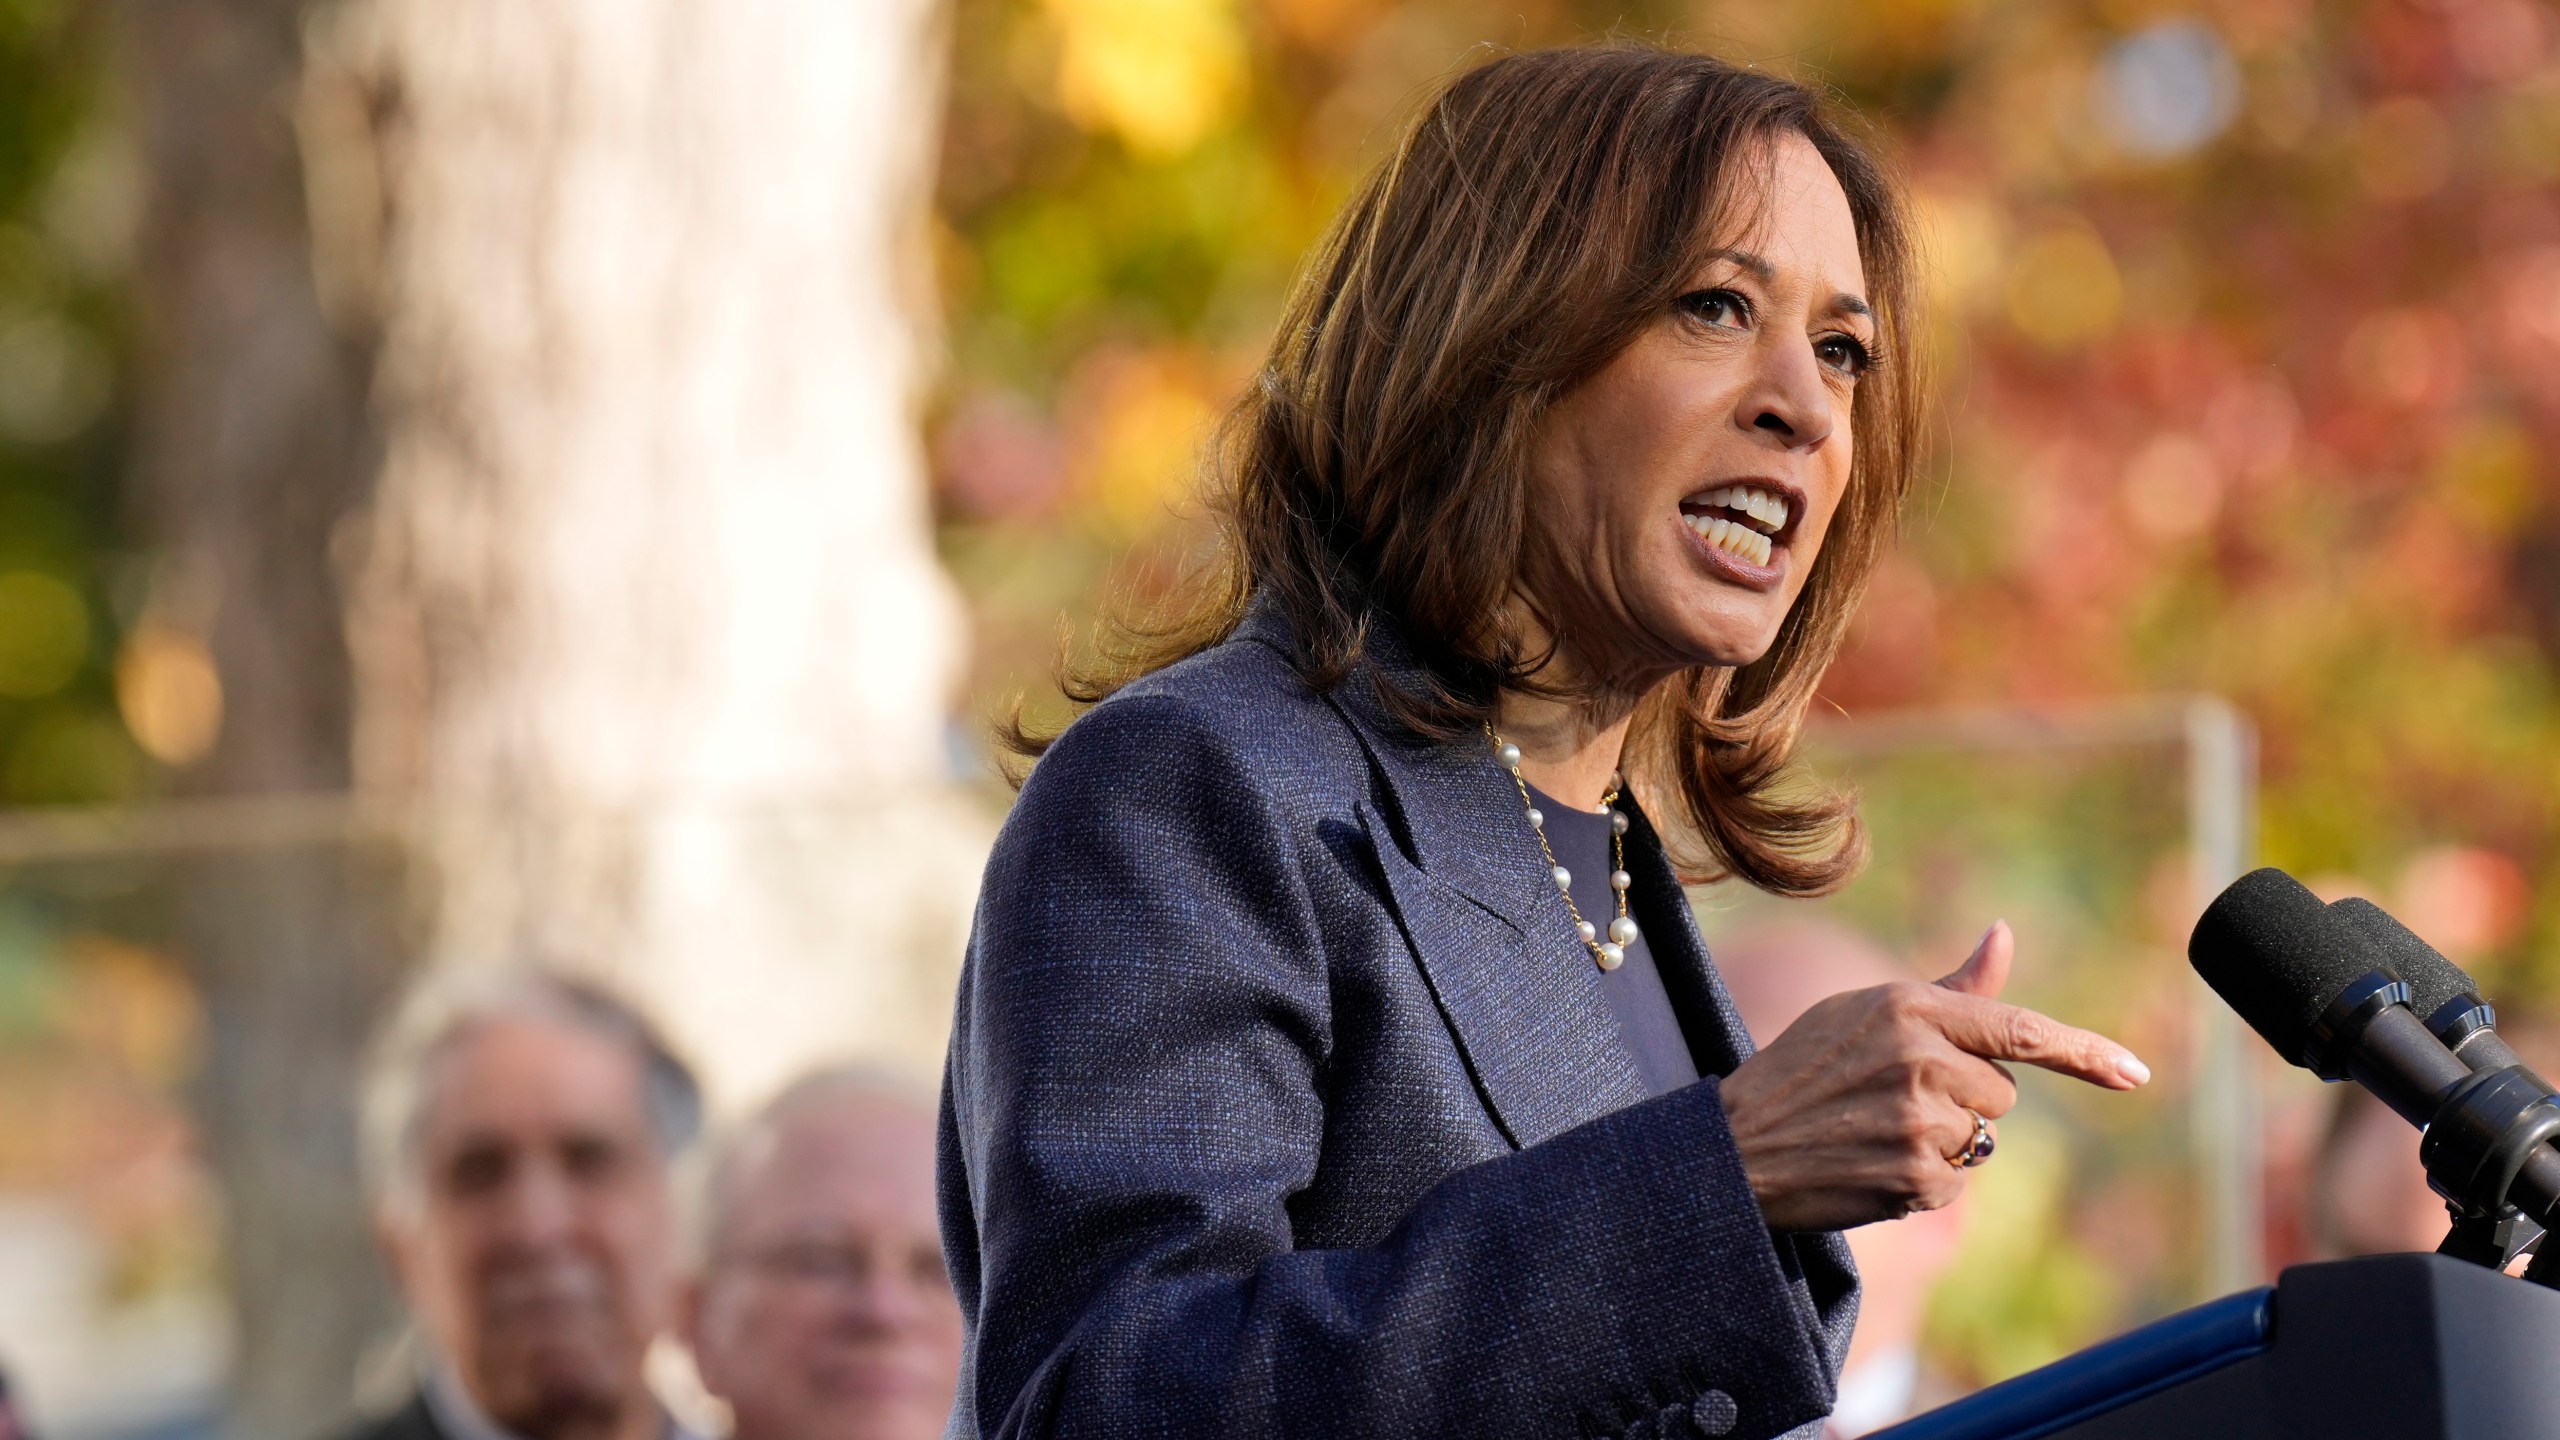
[1239, 705]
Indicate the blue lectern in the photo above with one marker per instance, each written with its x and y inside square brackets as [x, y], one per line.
[2392, 1347]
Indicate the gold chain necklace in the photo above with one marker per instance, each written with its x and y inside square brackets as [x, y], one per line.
[1611, 953]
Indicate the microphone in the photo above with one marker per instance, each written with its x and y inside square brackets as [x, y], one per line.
[2308, 980]
[2439, 990]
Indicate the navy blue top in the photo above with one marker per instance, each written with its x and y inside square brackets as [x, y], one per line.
[1582, 844]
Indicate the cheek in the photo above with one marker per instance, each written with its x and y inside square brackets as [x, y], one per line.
[1615, 446]
[1827, 501]
[746, 1327]
[637, 1227]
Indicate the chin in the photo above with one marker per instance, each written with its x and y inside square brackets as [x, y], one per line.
[560, 1377]
[1726, 646]
[1703, 629]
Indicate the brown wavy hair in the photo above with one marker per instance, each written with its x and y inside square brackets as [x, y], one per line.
[1534, 217]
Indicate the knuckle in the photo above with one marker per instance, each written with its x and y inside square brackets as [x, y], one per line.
[2024, 1032]
[1902, 1001]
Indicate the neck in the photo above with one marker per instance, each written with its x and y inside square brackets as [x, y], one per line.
[1570, 746]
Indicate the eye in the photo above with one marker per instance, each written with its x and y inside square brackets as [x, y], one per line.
[478, 1169]
[590, 1159]
[1846, 354]
[1725, 309]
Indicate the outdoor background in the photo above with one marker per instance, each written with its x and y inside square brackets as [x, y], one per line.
[481, 477]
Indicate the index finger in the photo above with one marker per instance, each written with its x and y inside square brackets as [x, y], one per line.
[1997, 1031]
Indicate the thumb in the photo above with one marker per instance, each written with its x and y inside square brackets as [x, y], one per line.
[1986, 970]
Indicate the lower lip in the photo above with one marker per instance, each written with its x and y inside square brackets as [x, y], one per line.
[1726, 565]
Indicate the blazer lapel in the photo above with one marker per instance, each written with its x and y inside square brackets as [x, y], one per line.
[1492, 934]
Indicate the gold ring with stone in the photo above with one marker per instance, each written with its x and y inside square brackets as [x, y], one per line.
[1977, 1149]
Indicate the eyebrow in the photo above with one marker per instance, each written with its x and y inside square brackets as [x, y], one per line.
[1767, 274]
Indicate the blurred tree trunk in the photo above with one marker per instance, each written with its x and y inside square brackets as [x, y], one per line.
[649, 622]
[254, 449]
[528, 424]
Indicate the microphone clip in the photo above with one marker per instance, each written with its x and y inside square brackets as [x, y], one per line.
[2484, 1127]
[2337, 1028]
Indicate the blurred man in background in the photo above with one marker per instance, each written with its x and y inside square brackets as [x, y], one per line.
[2368, 1193]
[518, 1132]
[1776, 973]
[822, 1310]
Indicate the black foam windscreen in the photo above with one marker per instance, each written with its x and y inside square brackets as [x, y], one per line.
[2277, 956]
[2433, 979]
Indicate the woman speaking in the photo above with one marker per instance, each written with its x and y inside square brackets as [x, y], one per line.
[1337, 1054]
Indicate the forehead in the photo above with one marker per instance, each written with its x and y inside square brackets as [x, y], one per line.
[528, 1076]
[861, 1160]
[1792, 212]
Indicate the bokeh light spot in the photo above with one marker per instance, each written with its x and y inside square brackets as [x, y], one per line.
[1000, 458]
[44, 634]
[2064, 290]
[2167, 89]
[1141, 422]
[2403, 149]
[2500, 40]
[2172, 488]
[1961, 234]
[2464, 899]
[1160, 74]
[2409, 357]
[169, 693]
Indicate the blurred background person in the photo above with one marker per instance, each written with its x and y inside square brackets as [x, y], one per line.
[518, 1128]
[1776, 973]
[2364, 1192]
[2368, 1193]
[822, 1310]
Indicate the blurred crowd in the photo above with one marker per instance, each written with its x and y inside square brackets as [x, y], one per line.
[554, 1218]
[579, 1261]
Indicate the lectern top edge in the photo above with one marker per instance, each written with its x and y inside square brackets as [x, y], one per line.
[2163, 1353]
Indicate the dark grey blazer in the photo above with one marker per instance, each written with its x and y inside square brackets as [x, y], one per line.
[1282, 1101]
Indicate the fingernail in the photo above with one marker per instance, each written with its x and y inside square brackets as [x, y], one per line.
[2130, 1066]
[1992, 929]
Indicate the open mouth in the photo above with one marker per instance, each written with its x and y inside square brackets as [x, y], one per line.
[1745, 521]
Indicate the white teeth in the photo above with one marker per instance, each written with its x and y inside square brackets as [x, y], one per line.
[1735, 539]
[1763, 507]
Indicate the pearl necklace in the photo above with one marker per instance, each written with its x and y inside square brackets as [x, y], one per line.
[1611, 953]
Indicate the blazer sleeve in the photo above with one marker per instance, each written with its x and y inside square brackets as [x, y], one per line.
[1134, 1096]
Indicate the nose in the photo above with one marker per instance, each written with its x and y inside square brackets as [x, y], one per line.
[539, 1208]
[1786, 401]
